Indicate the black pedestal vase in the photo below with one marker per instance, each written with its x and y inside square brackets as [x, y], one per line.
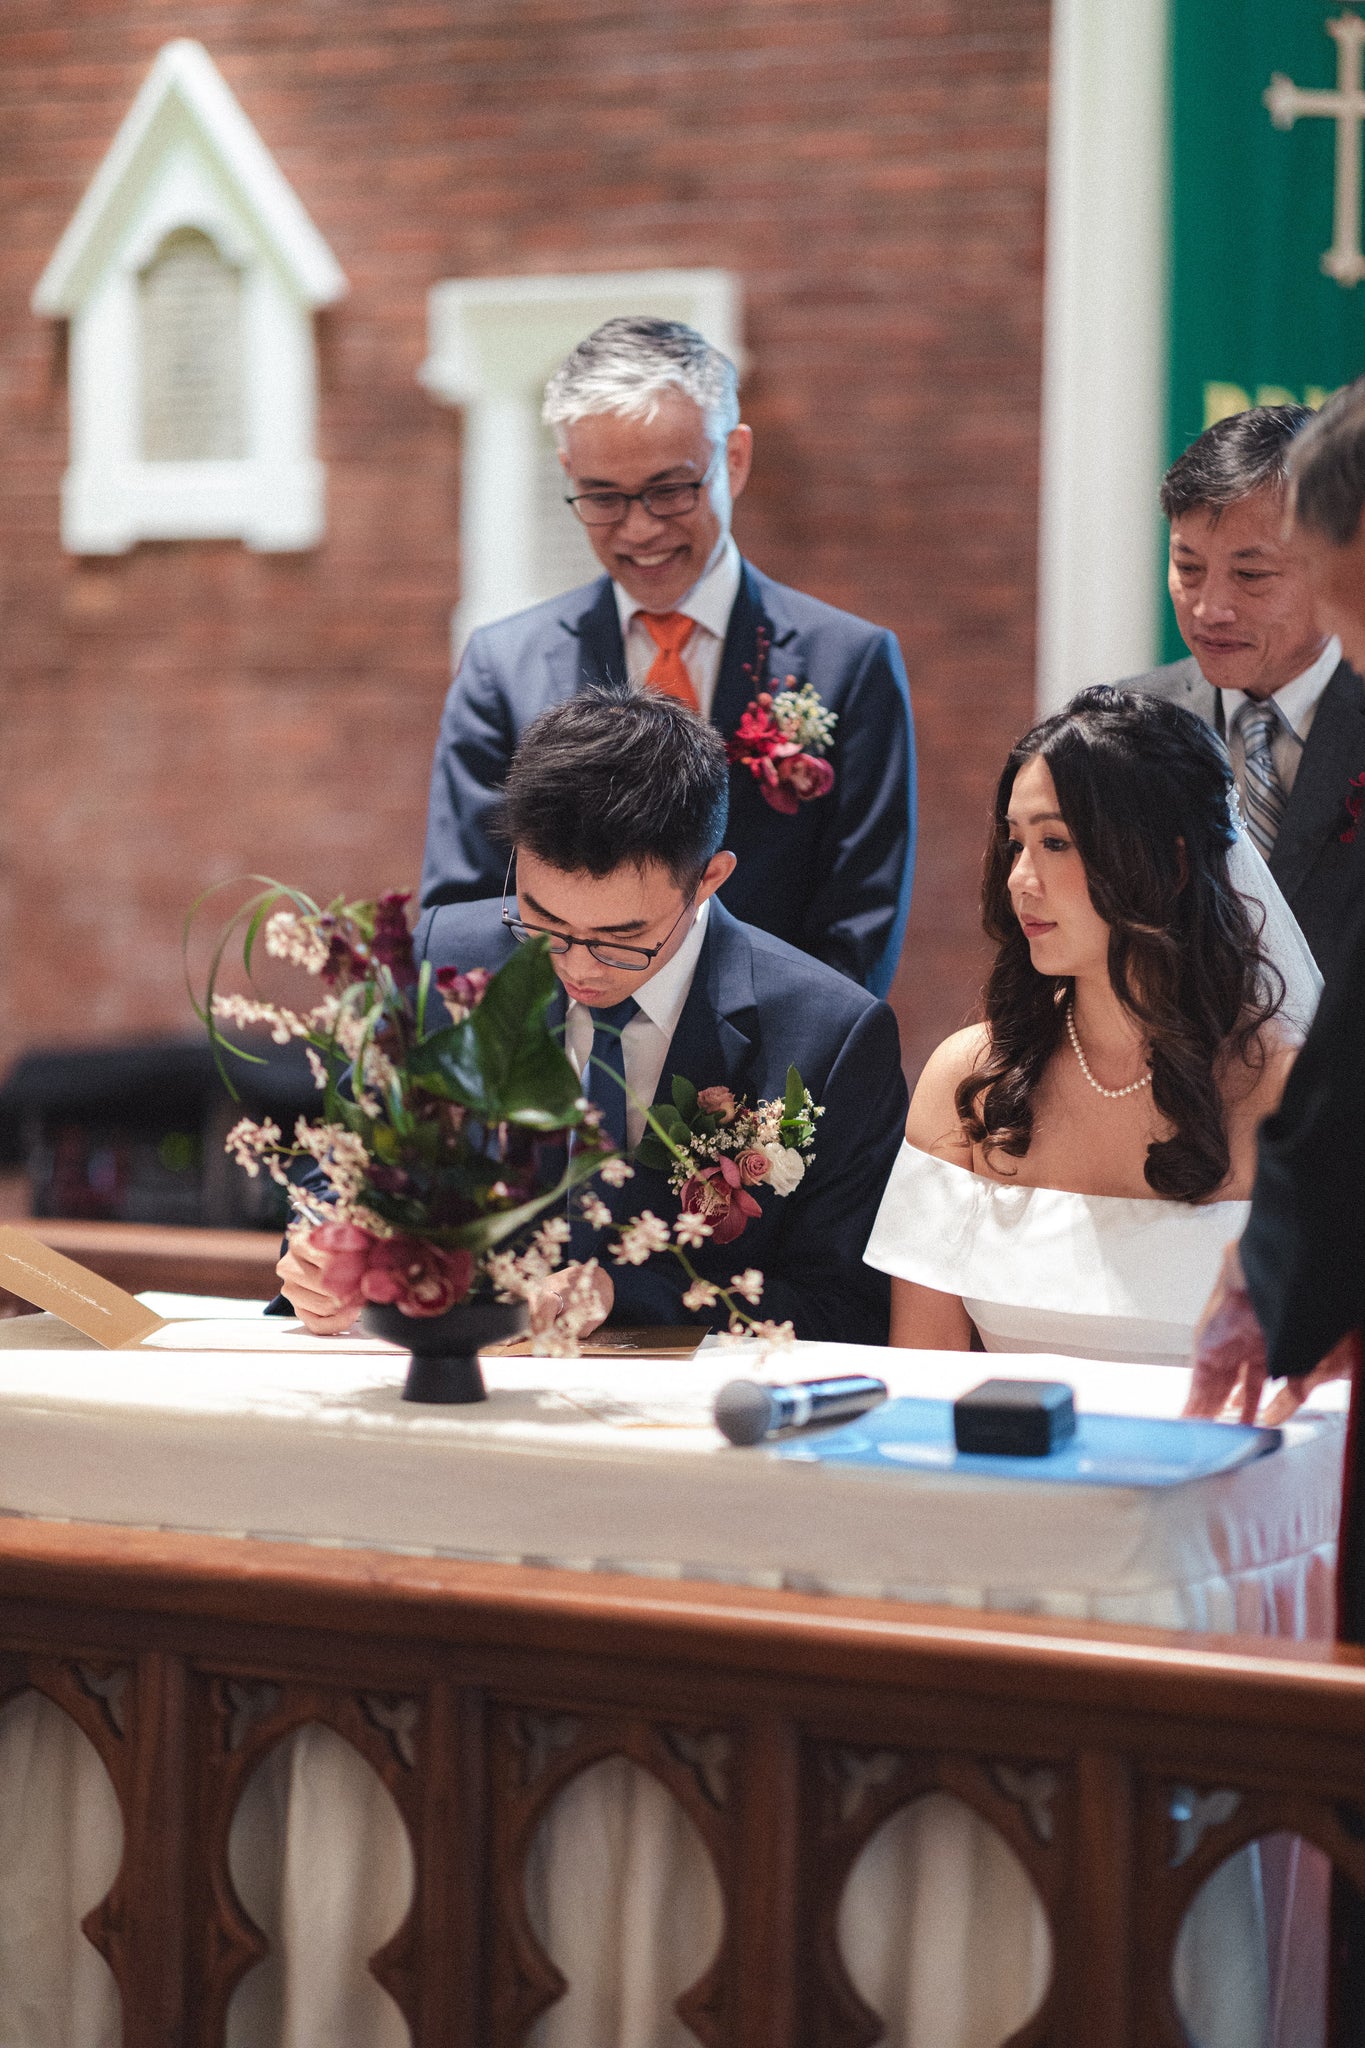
[445, 1349]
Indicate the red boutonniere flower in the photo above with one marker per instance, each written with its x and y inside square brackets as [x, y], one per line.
[782, 740]
[1355, 799]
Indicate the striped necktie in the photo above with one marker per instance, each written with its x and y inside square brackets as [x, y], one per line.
[1263, 795]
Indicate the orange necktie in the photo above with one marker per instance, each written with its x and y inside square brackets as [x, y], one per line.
[670, 632]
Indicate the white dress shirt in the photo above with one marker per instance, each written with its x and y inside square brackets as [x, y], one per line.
[1295, 706]
[710, 602]
[649, 1034]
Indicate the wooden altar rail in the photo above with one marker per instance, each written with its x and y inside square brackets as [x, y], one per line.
[239, 1264]
[787, 1726]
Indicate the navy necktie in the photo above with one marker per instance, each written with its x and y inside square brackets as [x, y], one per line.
[605, 1080]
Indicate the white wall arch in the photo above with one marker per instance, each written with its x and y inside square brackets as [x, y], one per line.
[186, 157]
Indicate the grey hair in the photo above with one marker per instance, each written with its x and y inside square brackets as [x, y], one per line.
[624, 365]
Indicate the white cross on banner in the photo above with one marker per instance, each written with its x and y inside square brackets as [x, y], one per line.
[1346, 106]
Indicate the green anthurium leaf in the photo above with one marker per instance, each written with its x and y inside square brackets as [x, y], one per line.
[527, 1076]
[487, 1231]
[448, 1064]
[684, 1097]
[541, 1089]
[652, 1152]
[796, 1096]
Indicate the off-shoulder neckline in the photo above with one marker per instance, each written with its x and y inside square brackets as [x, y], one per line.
[1010, 1187]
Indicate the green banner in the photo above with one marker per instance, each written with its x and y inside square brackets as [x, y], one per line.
[1267, 270]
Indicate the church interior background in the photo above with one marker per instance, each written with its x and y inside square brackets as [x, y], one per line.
[280, 285]
[867, 179]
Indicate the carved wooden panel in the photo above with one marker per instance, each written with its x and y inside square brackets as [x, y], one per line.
[1120, 1767]
[240, 1719]
[534, 1753]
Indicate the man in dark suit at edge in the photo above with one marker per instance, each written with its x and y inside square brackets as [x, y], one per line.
[1264, 669]
[1291, 1300]
[659, 979]
[646, 414]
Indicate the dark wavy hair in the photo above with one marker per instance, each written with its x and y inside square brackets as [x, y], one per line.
[1143, 787]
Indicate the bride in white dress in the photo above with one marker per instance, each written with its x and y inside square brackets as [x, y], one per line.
[1075, 1164]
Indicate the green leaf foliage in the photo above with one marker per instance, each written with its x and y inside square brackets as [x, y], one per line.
[684, 1098]
[504, 1062]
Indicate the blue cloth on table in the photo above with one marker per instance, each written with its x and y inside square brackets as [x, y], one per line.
[913, 1435]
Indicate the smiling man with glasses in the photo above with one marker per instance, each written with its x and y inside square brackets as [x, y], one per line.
[646, 415]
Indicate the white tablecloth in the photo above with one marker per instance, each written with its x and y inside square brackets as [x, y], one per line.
[597, 1465]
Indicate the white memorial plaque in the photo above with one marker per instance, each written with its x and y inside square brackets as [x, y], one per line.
[189, 300]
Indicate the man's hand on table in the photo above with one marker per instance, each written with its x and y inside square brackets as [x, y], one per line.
[324, 1313]
[547, 1303]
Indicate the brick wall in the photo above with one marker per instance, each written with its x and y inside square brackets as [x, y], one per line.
[872, 170]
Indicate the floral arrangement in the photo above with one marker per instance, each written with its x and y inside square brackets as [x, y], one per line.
[446, 1105]
[782, 740]
[446, 1101]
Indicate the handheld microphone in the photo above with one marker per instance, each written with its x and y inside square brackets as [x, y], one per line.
[747, 1411]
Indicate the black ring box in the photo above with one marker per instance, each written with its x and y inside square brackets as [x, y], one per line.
[1014, 1418]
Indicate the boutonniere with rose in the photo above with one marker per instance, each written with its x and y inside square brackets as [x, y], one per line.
[1355, 800]
[720, 1154]
[782, 740]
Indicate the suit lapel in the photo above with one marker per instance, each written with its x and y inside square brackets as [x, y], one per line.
[592, 654]
[712, 1041]
[753, 613]
[1334, 752]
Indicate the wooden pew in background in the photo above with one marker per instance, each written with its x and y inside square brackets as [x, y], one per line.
[239, 1264]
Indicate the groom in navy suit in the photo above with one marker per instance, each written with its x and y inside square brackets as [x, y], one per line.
[658, 980]
[647, 418]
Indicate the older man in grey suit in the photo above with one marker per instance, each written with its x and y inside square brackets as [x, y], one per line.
[1264, 671]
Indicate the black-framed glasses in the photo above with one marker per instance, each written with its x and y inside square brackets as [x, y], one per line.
[632, 959]
[661, 501]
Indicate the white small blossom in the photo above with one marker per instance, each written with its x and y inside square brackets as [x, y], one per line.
[290, 936]
[342, 1157]
[251, 1145]
[691, 1231]
[644, 1235]
[616, 1171]
[788, 1167]
[595, 1212]
[780, 1334]
[799, 715]
[748, 1285]
[701, 1294]
[284, 1024]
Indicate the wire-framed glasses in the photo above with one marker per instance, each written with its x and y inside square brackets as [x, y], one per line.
[661, 501]
[607, 952]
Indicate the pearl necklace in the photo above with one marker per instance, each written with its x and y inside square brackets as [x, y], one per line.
[1109, 1094]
